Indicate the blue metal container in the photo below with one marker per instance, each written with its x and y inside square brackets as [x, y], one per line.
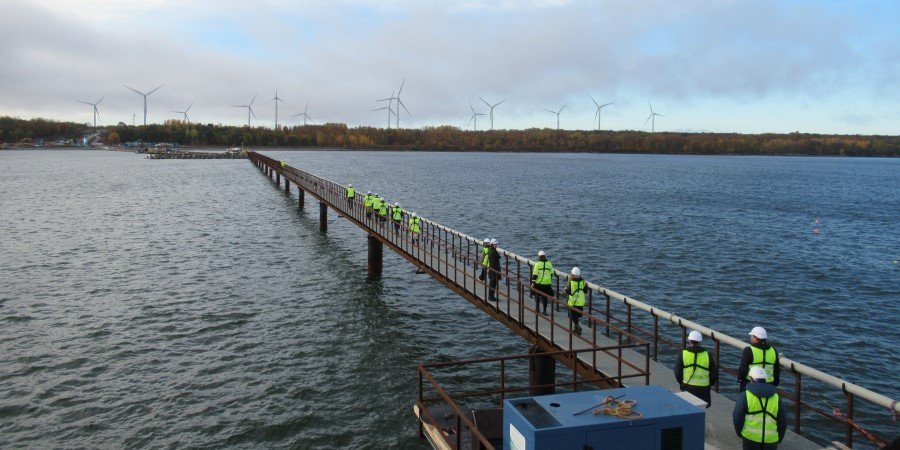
[550, 422]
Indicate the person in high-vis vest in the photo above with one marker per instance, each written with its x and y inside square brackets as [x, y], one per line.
[493, 269]
[351, 194]
[281, 163]
[376, 204]
[759, 417]
[542, 281]
[577, 290]
[396, 216]
[415, 228]
[367, 204]
[483, 262]
[382, 209]
[696, 370]
[759, 354]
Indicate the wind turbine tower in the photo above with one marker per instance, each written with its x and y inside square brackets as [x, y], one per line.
[599, 110]
[390, 109]
[474, 117]
[276, 99]
[184, 114]
[94, 105]
[557, 115]
[400, 103]
[492, 109]
[651, 118]
[304, 114]
[145, 98]
[249, 108]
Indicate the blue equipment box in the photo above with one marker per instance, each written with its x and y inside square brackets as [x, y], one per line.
[549, 422]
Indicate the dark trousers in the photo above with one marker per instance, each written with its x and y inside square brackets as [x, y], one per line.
[700, 392]
[396, 226]
[575, 315]
[750, 445]
[545, 289]
[494, 278]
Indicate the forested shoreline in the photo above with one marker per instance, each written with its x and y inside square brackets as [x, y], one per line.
[15, 132]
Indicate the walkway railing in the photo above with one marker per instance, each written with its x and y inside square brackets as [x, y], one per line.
[452, 258]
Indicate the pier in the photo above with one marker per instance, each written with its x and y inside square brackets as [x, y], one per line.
[197, 155]
[619, 347]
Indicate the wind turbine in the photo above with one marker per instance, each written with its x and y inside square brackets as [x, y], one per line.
[390, 101]
[249, 108]
[400, 103]
[276, 99]
[557, 115]
[184, 114]
[145, 98]
[304, 114]
[651, 118]
[492, 109]
[94, 105]
[599, 110]
[474, 117]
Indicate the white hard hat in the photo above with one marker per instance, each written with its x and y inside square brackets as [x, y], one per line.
[759, 332]
[758, 373]
[493, 242]
[541, 253]
[576, 271]
[369, 193]
[413, 214]
[376, 194]
[350, 185]
[695, 336]
[396, 203]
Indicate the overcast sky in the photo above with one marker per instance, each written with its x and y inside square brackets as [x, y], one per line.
[745, 66]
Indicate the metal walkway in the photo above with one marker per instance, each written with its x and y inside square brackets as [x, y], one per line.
[452, 258]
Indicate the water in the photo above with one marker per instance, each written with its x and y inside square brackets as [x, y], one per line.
[188, 303]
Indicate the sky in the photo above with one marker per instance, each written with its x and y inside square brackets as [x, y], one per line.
[755, 66]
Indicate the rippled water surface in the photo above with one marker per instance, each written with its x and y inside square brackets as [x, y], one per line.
[189, 303]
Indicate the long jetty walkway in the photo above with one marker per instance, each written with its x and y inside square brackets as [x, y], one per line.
[614, 351]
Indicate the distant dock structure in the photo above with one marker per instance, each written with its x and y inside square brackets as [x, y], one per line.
[179, 154]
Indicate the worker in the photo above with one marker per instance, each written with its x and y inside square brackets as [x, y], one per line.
[696, 370]
[397, 216]
[576, 288]
[351, 194]
[367, 204]
[382, 210]
[376, 204]
[493, 269]
[414, 227]
[759, 416]
[485, 251]
[281, 163]
[759, 354]
[541, 280]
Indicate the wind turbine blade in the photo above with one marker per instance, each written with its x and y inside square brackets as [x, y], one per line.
[379, 109]
[659, 115]
[470, 119]
[133, 89]
[595, 101]
[86, 103]
[596, 113]
[607, 104]
[239, 106]
[486, 103]
[155, 89]
[560, 109]
[651, 106]
[101, 99]
[498, 104]
[404, 106]
[648, 119]
[401, 87]
[471, 107]
[306, 109]
[549, 111]
[309, 118]
[188, 108]
[251, 112]
[253, 99]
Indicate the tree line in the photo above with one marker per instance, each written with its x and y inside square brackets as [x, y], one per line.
[449, 138]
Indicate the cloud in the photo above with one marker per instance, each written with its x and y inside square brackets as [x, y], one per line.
[341, 56]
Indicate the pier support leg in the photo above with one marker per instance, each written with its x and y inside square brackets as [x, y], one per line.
[376, 251]
[541, 370]
[278, 179]
[287, 186]
[323, 216]
[301, 200]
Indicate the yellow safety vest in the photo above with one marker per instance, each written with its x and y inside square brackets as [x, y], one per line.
[414, 224]
[485, 261]
[696, 368]
[382, 209]
[396, 214]
[282, 163]
[376, 203]
[544, 272]
[577, 288]
[367, 201]
[764, 359]
[351, 192]
[760, 423]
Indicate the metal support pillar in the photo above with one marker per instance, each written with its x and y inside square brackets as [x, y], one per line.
[287, 186]
[323, 216]
[541, 371]
[376, 253]
[301, 197]
[277, 179]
